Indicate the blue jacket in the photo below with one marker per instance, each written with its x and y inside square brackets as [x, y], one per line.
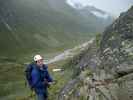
[38, 75]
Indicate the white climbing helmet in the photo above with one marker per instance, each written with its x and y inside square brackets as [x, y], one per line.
[37, 57]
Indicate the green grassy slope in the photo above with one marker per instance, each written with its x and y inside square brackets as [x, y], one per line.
[31, 25]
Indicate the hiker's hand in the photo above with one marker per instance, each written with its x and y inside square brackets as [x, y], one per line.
[50, 83]
[46, 82]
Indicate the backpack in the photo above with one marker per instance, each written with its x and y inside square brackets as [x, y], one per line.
[28, 71]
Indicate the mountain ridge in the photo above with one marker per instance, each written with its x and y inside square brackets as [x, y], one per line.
[104, 71]
[31, 20]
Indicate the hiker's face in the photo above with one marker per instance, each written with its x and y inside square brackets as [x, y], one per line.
[40, 63]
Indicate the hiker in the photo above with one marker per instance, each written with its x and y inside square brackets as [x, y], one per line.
[40, 78]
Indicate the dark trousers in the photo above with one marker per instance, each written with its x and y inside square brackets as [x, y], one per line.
[41, 97]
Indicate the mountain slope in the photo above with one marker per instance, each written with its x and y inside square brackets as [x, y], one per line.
[104, 71]
[46, 24]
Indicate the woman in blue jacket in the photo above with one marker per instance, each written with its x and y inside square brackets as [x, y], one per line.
[41, 78]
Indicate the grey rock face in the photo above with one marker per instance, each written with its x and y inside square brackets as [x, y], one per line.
[111, 64]
[116, 54]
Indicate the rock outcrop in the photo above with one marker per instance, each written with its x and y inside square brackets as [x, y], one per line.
[105, 69]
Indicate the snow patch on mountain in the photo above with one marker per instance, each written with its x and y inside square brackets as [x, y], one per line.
[95, 11]
[75, 5]
[98, 14]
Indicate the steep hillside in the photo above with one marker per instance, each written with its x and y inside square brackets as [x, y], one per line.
[104, 71]
[31, 25]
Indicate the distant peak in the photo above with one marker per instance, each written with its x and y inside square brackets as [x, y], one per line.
[75, 5]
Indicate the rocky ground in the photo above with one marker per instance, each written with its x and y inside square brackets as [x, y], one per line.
[105, 70]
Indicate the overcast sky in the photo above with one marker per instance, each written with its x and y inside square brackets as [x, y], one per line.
[112, 6]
